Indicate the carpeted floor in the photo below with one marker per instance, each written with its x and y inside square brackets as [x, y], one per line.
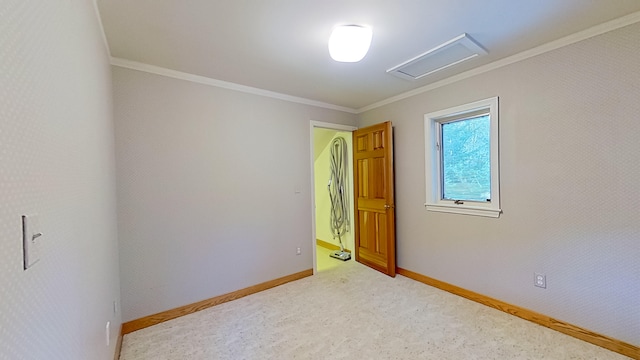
[349, 311]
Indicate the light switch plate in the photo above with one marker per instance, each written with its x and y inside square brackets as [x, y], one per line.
[30, 240]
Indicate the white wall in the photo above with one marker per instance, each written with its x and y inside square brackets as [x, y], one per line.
[570, 165]
[322, 172]
[57, 160]
[207, 181]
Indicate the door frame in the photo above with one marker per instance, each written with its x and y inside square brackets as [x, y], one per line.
[322, 125]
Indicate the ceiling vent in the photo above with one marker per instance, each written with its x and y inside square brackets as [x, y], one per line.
[452, 52]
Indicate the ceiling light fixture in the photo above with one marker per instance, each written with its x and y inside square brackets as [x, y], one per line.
[349, 43]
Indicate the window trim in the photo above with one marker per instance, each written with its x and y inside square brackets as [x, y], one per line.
[433, 166]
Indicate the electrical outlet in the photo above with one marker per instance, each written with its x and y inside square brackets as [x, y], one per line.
[298, 251]
[540, 280]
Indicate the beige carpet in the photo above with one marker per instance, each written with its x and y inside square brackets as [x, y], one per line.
[352, 312]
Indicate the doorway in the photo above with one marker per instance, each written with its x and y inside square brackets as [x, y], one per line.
[322, 136]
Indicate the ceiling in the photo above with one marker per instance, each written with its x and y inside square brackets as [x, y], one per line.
[281, 45]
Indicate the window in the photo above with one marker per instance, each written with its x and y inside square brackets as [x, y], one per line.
[461, 155]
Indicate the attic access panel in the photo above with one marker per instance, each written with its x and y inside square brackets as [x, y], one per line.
[452, 52]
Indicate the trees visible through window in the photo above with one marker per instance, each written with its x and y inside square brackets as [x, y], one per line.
[466, 159]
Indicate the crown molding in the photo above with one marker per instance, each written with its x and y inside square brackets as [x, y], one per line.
[550, 46]
[134, 65]
[96, 9]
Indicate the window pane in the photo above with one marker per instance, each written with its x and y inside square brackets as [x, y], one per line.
[466, 159]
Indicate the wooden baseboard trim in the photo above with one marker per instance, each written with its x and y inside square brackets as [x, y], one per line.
[158, 318]
[563, 327]
[116, 355]
[330, 246]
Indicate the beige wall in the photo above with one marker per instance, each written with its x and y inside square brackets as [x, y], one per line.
[570, 164]
[213, 189]
[209, 179]
[322, 172]
[57, 161]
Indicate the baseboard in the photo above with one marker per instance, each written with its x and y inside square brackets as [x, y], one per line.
[540, 319]
[160, 317]
[116, 355]
[330, 246]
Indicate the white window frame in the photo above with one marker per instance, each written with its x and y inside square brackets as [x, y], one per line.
[433, 165]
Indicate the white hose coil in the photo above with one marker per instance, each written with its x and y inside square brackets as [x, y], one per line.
[338, 189]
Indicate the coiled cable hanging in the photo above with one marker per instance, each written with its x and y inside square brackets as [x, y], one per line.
[338, 191]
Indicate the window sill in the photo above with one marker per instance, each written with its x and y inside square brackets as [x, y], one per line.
[464, 210]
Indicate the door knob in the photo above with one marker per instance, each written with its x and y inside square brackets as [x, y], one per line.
[387, 206]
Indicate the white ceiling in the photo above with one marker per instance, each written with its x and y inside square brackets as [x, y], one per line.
[281, 45]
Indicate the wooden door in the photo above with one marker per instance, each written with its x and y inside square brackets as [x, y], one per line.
[375, 240]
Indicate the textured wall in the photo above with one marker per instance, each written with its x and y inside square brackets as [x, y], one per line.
[570, 193]
[57, 160]
[207, 182]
